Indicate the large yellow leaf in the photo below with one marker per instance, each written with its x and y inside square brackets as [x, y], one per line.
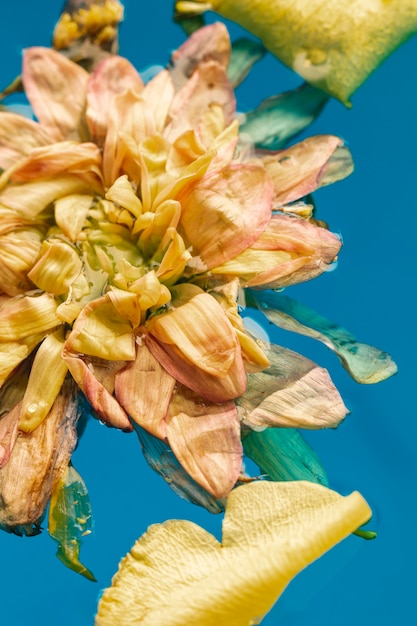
[333, 44]
[179, 574]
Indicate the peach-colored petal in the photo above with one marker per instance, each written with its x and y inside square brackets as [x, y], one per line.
[298, 170]
[289, 251]
[112, 76]
[205, 438]
[208, 85]
[157, 96]
[18, 136]
[56, 89]
[144, 390]
[57, 158]
[100, 398]
[8, 432]
[210, 387]
[235, 202]
[210, 42]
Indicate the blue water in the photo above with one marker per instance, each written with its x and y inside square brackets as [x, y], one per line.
[372, 293]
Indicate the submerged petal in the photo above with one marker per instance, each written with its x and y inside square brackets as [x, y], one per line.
[205, 438]
[364, 363]
[178, 574]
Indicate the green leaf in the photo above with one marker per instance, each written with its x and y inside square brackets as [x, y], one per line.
[70, 519]
[279, 118]
[283, 454]
[366, 364]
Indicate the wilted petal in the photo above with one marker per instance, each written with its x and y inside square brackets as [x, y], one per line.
[24, 316]
[364, 363]
[71, 212]
[112, 76]
[283, 454]
[279, 118]
[207, 86]
[162, 459]
[14, 352]
[205, 438]
[46, 378]
[56, 89]
[58, 267]
[38, 461]
[292, 392]
[290, 250]
[235, 202]
[210, 42]
[177, 573]
[300, 169]
[8, 432]
[18, 137]
[157, 97]
[100, 398]
[144, 390]
[245, 53]
[70, 519]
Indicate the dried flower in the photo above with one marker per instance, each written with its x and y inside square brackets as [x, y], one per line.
[132, 216]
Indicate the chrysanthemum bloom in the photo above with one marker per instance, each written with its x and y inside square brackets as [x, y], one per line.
[130, 217]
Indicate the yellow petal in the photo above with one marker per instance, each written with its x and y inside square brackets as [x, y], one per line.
[71, 212]
[57, 268]
[334, 45]
[14, 352]
[121, 193]
[179, 574]
[24, 316]
[46, 378]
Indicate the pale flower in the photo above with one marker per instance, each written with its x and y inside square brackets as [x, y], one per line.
[131, 217]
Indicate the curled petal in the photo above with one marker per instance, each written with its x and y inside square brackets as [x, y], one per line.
[205, 438]
[112, 76]
[236, 202]
[101, 399]
[8, 432]
[56, 90]
[144, 390]
[299, 170]
[245, 53]
[292, 392]
[366, 364]
[177, 573]
[24, 316]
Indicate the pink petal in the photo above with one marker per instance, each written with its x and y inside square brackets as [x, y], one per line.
[298, 170]
[144, 390]
[112, 76]
[208, 85]
[18, 137]
[211, 387]
[157, 96]
[210, 42]
[225, 212]
[102, 401]
[205, 438]
[56, 89]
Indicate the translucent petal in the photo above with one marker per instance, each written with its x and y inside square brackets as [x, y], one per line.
[279, 118]
[364, 363]
[245, 53]
[205, 438]
[161, 459]
[292, 392]
[283, 454]
[70, 519]
[178, 574]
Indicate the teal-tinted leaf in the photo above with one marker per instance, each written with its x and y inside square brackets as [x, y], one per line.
[283, 454]
[245, 53]
[70, 519]
[162, 459]
[364, 363]
[279, 118]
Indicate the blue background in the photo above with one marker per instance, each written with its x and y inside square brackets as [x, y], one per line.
[372, 293]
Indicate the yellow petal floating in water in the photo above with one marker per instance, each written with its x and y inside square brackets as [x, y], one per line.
[179, 574]
[333, 45]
